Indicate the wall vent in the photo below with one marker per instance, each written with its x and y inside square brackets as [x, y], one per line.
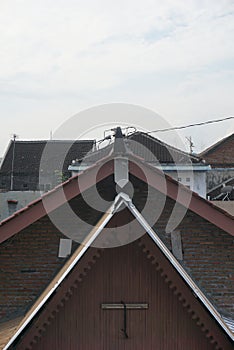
[65, 246]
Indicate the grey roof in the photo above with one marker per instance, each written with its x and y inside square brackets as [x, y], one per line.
[148, 148]
[160, 150]
[27, 157]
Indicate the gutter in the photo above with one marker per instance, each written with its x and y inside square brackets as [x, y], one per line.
[184, 167]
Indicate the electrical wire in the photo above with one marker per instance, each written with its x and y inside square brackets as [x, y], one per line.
[191, 125]
[109, 137]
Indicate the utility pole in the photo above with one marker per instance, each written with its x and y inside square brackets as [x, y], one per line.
[12, 162]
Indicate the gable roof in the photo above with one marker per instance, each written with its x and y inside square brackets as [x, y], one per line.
[220, 153]
[122, 198]
[27, 157]
[137, 168]
[148, 148]
[163, 152]
[69, 189]
[217, 144]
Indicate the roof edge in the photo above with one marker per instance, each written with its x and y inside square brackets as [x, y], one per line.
[72, 262]
[62, 274]
[54, 198]
[214, 145]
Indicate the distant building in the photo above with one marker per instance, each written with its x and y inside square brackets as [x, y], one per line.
[159, 290]
[185, 168]
[20, 167]
[221, 158]
[22, 176]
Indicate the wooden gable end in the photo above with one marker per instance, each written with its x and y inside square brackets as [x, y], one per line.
[132, 274]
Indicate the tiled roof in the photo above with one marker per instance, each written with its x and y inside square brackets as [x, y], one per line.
[63, 273]
[204, 233]
[164, 153]
[27, 157]
[95, 156]
[148, 148]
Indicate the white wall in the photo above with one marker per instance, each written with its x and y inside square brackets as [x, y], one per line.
[23, 198]
[195, 180]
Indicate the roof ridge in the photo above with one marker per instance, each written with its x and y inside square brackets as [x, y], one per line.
[165, 144]
[71, 182]
[214, 145]
[55, 141]
[82, 249]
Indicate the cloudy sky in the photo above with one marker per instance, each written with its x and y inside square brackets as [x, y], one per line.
[60, 57]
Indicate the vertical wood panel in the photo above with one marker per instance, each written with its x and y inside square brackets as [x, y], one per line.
[126, 274]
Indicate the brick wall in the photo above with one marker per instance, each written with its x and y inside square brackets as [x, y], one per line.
[28, 261]
[222, 154]
[208, 256]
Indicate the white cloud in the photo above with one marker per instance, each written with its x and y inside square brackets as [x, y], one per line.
[59, 49]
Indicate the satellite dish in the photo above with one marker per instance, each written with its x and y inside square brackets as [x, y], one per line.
[227, 189]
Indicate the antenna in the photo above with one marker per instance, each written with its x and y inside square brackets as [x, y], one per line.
[191, 144]
[226, 190]
[14, 136]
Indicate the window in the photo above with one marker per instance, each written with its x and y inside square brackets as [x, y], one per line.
[12, 206]
[42, 187]
[47, 187]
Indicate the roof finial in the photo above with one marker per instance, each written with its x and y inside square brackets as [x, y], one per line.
[119, 146]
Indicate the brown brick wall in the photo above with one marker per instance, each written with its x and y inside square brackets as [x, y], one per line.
[208, 256]
[28, 261]
[222, 154]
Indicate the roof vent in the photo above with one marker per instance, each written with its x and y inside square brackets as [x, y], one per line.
[65, 246]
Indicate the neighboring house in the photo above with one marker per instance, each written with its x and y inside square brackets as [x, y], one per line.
[223, 195]
[11, 201]
[22, 177]
[221, 158]
[164, 289]
[20, 167]
[223, 192]
[186, 168]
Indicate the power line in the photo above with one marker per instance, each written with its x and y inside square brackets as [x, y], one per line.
[190, 125]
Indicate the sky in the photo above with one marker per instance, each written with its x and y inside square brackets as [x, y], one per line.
[61, 57]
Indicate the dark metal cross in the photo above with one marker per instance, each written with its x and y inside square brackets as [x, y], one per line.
[125, 307]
